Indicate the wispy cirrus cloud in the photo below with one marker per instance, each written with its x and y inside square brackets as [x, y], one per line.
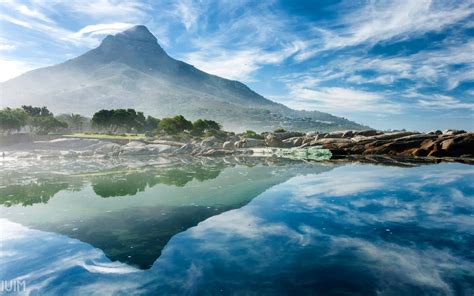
[187, 12]
[339, 100]
[443, 102]
[377, 54]
[381, 21]
[238, 64]
[223, 51]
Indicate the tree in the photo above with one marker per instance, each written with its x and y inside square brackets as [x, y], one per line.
[12, 119]
[202, 125]
[140, 122]
[46, 124]
[74, 121]
[126, 119]
[175, 125]
[151, 123]
[103, 119]
[182, 123]
[36, 111]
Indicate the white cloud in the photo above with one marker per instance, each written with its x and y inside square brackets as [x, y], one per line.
[237, 64]
[115, 15]
[187, 12]
[306, 95]
[245, 40]
[108, 10]
[442, 102]
[6, 46]
[33, 13]
[103, 29]
[388, 20]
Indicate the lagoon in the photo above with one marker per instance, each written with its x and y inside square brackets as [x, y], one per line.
[237, 226]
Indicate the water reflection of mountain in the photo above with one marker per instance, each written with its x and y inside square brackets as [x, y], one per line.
[166, 200]
[107, 183]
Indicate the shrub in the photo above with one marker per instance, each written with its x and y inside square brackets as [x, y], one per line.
[279, 130]
[172, 126]
[251, 134]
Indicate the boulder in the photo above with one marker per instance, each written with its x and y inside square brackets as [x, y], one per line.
[298, 141]
[335, 135]
[210, 142]
[185, 149]
[460, 145]
[394, 135]
[320, 136]
[140, 148]
[400, 147]
[228, 145]
[425, 148]
[108, 148]
[286, 135]
[23, 155]
[453, 132]
[307, 140]
[271, 140]
[312, 134]
[169, 143]
[249, 143]
[366, 133]
[416, 137]
[348, 134]
[435, 132]
[66, 144]
[69, 154]
[331, 141]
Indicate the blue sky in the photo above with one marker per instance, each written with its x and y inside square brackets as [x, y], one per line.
[388, 64]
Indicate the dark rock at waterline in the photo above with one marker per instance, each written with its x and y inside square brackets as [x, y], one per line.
[450, 143]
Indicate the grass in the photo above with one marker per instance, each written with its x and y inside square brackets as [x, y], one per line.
[104, 136]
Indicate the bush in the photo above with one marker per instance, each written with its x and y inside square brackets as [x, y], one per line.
[202, 125]
[251, 134]
[150, 134]
[216, 133]
[279, 130]
[12, 119]
[177, 124]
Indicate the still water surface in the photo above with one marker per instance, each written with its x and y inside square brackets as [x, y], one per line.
[239, 227]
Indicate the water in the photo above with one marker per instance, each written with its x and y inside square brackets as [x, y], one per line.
[231, 226]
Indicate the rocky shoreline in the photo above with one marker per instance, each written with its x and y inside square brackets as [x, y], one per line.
[449, 143]
[454, 144]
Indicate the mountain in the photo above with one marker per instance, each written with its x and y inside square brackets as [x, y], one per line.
[131, 70]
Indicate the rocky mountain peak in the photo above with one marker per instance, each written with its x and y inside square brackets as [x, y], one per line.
[138, 33]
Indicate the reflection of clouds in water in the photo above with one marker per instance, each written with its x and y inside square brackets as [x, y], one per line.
[50, 262]
[300, 236]
[268, 232]
[365, 194]
[399, 267]
[280, 255]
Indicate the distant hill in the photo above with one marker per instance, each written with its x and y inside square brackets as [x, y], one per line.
[131, 70]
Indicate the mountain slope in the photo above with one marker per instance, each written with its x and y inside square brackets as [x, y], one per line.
[131, 70]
